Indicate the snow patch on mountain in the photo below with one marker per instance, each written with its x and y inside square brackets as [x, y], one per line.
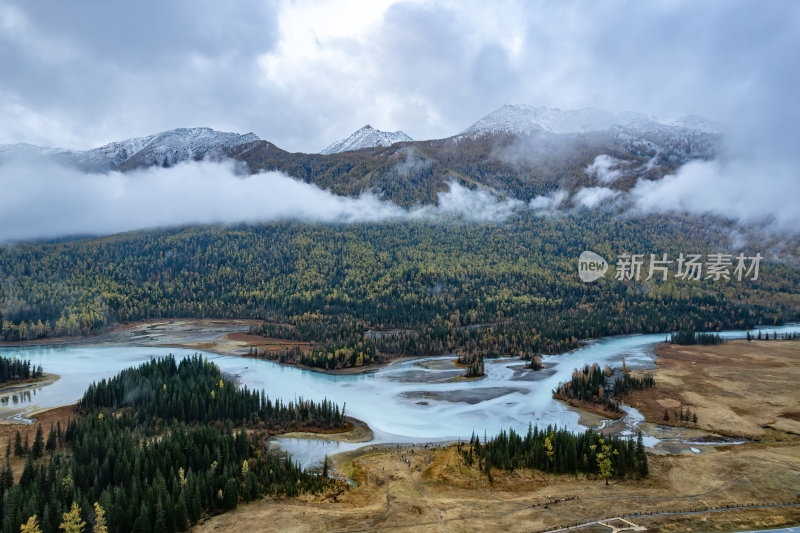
[164, 149]
[521, 119]
[367, 137]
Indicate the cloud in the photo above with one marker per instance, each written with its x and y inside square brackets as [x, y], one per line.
[601, 168]
[749, 191]
[548, 202]
[475, 205]
[303, 74]
[48, 200]
[53, 201]
[591, 197]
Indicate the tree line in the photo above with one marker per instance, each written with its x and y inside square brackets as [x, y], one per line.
[195, 391]
[589, 385]
[559, 451]
[690, 337]
[13, 369]
[791, 336]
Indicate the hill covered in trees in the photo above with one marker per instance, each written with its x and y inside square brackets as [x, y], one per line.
[519, 165]
[157, 447]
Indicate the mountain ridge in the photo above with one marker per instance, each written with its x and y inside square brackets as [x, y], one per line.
[517, 151]
[165, 149]
[522, 119]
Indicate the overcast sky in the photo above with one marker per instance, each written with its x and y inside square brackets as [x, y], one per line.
[78, 74]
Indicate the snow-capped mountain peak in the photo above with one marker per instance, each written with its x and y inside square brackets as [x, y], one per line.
[167, 148]
[367, 137]
[174, 146]
[520, 119]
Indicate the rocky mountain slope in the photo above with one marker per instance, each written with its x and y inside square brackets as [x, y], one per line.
[164, 149]
[517, 151]
[367, 137]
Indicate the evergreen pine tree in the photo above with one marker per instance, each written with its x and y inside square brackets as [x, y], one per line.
[38, 443]
[160, 523]
[17, 444]
[641, 456]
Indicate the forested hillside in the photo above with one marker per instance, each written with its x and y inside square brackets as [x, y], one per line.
[507, 288]
[520, 166]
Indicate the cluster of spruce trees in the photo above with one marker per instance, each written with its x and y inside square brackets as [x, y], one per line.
[314, 327]
[534, 362]
[559, 451]
[195, 391]
[690, 337]
[588, 385]
[791, 336]
[474, 364]
[627, 383]
[682, 415]
[13, 369]
[152, 466]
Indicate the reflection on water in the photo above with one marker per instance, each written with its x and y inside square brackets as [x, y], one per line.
[18, 398]
[407, 401]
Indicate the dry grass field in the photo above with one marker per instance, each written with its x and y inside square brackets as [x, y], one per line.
[740, 388]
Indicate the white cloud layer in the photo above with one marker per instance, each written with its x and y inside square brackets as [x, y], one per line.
[548, 202]
[46, 201]
[302, 74]
[752, 191]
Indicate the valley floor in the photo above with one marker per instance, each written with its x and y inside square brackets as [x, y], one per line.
[741, 389]
[745, 390]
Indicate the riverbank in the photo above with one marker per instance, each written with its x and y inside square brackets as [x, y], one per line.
[165, 332]
[357, 431]
[28, 384]
[45, 417]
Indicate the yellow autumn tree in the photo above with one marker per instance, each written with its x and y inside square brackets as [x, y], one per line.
[71, 521]
[604, 461]
[548, 447]
[31, 526]
[99, 519]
